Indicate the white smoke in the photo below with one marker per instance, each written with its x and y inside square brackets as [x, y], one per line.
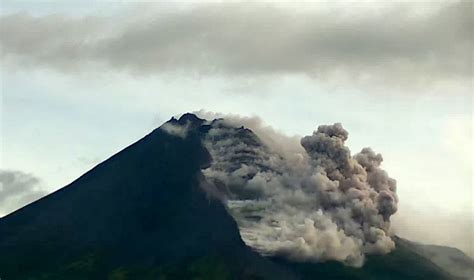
[314, 202]
[174, 129]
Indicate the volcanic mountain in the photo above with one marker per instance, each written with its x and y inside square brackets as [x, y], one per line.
[153, 212]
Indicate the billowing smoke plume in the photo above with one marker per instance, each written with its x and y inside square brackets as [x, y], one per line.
[315, 203]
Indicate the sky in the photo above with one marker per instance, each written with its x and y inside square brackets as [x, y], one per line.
[81, 80]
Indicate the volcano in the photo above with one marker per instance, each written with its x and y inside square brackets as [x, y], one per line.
[145, 213]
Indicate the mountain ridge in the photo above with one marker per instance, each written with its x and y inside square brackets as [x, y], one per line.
[142, 214]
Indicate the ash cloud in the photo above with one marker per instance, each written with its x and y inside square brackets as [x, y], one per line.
[17, 189]
[396, 45]
[177, 130]
[319, 204]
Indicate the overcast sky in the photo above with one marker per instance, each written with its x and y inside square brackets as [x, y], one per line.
[82, 80]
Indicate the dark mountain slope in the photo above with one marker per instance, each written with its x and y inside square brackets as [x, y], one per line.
[450, 259]
[142, 215]
[142, 208]
[401, 263]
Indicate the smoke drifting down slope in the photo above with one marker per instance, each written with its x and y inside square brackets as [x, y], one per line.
[314, 204]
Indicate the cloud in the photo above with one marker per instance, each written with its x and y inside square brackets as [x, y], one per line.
[396, 45]
[316, 203]
[18, 189]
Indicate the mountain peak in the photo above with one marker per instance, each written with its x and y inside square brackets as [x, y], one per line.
[190, 117]
[145, 214]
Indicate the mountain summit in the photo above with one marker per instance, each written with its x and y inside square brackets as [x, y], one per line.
[171, 207]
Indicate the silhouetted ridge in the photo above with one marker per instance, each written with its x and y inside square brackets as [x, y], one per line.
[142, 214]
